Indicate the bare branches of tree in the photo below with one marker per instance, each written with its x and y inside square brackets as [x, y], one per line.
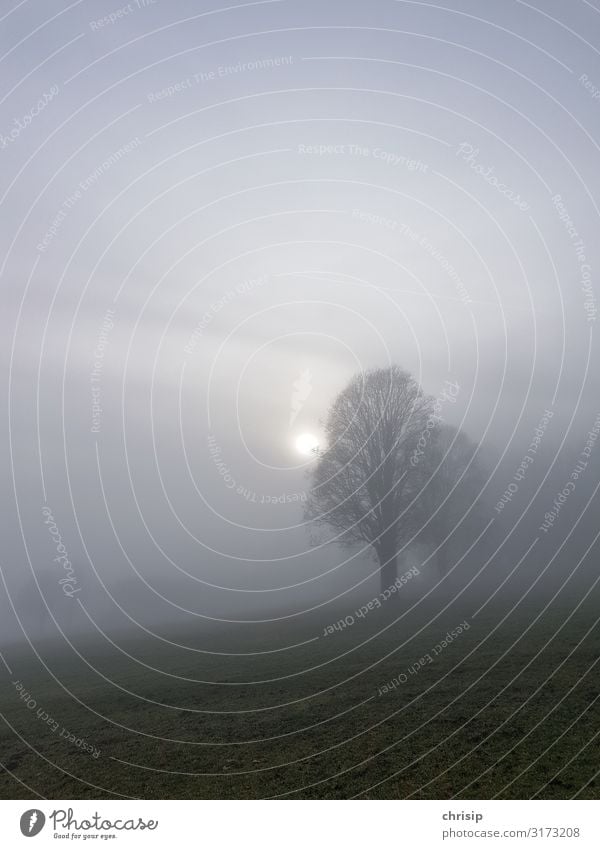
[375, 484]
[364, 484]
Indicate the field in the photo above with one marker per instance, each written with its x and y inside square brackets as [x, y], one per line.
[506, 709]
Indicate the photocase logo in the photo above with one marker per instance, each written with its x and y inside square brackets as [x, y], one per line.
[302, 387]
[32, 822]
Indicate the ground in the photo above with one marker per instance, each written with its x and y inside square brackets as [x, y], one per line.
[508, 713]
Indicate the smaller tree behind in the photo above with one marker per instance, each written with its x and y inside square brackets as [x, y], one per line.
[448, 507]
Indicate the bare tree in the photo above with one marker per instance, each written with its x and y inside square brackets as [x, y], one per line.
[363, 481]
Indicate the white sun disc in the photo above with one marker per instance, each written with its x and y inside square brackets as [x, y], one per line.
[306, 443]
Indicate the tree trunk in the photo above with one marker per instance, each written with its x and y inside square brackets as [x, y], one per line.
[388, 571]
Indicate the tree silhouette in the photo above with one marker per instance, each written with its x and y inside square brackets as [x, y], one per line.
[364, 484]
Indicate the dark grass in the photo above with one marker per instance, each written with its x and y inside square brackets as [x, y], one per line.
[316, 727]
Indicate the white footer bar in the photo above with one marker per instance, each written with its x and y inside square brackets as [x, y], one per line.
[292, 824]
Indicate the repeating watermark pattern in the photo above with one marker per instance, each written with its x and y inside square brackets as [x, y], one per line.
[118, 14]
[84, 185]
[469, 154]
[578, 470]
[585, 269]
[448, 394]
[243, 491]
[301, 390]
[69, 581]
[395, 160]
[98, 365]
[243, 288]
[378, 220]
[425, 660]
[25, 120]
[31, 704]
[111, 160]
[528, 459]
[374, 604]
[419, 239]
[589, 86]
[267, 63]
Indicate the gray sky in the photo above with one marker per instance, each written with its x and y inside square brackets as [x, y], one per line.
[269, 197]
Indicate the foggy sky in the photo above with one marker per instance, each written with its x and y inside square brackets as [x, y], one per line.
[299, 204]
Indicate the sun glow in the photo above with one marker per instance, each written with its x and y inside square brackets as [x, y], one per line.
[306, 444]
